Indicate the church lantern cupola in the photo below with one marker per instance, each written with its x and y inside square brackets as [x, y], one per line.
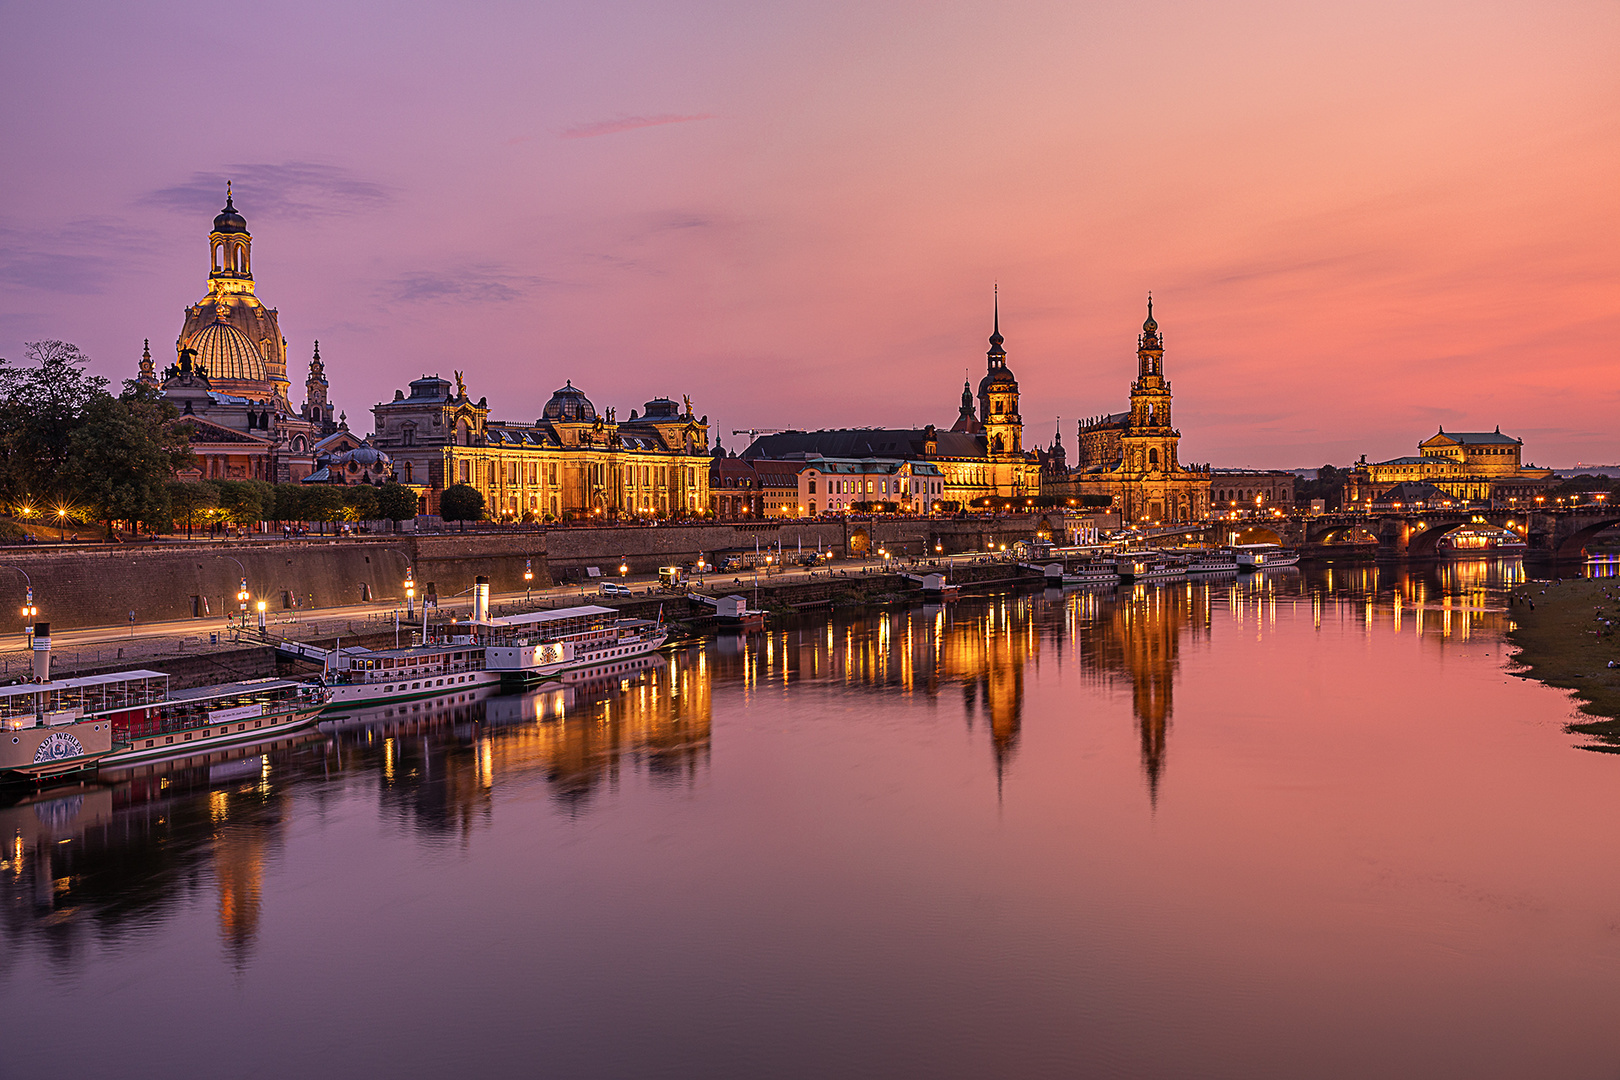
[230, 246]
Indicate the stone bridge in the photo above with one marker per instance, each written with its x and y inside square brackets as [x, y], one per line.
[1411, 534]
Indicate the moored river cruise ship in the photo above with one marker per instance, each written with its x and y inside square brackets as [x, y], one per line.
[64, 726]
[514, 650]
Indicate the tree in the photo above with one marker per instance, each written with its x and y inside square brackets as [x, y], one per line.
[244, 501]
[122, 455]
[462, 503]
[40, 408]
[289, 502]
[323, 503]
[189, 502]
[360, 503]
[396, 502]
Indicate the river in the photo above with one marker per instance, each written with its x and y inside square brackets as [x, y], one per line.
[1304, 824]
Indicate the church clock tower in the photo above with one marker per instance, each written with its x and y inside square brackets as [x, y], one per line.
[1148, 443]
[998, 400]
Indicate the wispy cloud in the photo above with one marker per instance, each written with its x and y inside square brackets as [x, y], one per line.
[629, 123]
[293, 189]
[483, 283]
[85, 255]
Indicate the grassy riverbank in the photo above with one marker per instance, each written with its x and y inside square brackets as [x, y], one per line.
[1559, 644]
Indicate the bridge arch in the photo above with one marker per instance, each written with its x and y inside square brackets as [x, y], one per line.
[1258, 534]
[1346, 536]
[1574, 545]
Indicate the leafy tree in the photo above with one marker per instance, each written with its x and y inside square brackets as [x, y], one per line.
[244, 501]
[323, 503]
[40, 408]
[396, 502]
[290, 502]
[360, 503]
[1328, 486]
[462, 503]
[122, 455]
[189, 502]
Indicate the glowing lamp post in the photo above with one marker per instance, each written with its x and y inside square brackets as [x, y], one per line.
[528, 579]
[410, 594]
[242, 601]
[262, 629]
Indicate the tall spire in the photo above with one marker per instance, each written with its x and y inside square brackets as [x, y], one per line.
[997, 355]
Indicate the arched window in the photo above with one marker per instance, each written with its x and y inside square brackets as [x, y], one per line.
[1153, 453]
[407, 472]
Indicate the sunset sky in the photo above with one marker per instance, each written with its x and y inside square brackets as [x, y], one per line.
[1358, 221]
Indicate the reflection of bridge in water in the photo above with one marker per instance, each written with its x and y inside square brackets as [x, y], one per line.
[1408, 534]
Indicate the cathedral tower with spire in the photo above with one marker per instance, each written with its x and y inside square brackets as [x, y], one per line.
[1149, 442]
[998, 397]
[1132, 457]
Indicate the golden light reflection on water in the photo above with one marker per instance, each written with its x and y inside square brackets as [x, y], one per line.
[437, 767]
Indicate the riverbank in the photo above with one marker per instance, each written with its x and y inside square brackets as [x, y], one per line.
[1563, 642]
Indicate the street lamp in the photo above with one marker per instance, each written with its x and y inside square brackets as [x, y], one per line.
[528, 579]
[262, 631]
[410, 594]
[242, 601]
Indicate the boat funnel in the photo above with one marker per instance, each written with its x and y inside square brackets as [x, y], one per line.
[42, 652]
[480, 612]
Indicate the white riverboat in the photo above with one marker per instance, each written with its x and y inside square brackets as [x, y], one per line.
[1252, 557]
[57, 727]
[510, 650]
[543, 644]
[358, 677]
[1150, 566]
[1208, 561]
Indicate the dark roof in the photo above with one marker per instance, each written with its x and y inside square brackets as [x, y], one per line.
[866, 442]
[1410, 492]
[229, 221]
[1478, 438]
[206, 431]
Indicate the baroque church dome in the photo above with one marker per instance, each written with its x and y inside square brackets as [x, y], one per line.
[227, 354]
[569, 404]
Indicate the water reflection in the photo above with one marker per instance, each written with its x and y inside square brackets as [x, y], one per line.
[135, 848]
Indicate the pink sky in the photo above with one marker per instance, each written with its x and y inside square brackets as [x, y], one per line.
[1358, 221]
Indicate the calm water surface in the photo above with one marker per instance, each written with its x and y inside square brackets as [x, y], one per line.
[1299, 826]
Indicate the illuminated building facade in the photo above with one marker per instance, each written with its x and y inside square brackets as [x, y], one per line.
[573, 463]
[1469, 466]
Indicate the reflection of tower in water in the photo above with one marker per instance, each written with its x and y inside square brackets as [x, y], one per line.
[987, 653]
[1140, 638]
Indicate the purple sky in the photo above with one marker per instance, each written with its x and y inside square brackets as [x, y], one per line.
[1358, 221]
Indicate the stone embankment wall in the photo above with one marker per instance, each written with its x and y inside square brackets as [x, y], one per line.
[100, 585]
[82, 585]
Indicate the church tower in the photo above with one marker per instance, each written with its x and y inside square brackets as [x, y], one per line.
[316, 408]
[998, 399]
[1148, 443]
[148, 373]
